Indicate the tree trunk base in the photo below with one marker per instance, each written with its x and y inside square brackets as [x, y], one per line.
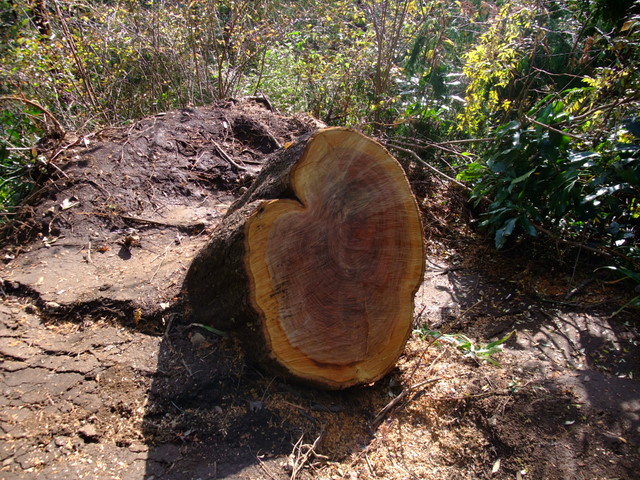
[317, 265]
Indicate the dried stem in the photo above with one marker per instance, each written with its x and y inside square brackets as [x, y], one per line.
[431, 167]
[389, 406]
[600, 251]
[300, 459]
[31, 103]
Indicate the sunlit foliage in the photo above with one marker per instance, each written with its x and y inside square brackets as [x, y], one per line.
[550, 86]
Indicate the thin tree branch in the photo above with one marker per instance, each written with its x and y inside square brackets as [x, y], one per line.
[93, 99]
[600, 251]
[428, 143]
[437, 146]
[431, 167]
[602, 107]
[552, 129]
[31, 103]
[401, 396]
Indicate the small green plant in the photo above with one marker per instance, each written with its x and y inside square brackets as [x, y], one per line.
[209, 328]
[465, 345]
[628, 275]
[19, 132]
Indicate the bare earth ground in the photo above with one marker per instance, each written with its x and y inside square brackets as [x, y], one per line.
[103, 376]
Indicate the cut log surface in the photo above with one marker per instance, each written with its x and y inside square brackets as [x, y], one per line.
[321, 261]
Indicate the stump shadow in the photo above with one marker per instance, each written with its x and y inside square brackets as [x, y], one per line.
[201, 419]
[210, 414]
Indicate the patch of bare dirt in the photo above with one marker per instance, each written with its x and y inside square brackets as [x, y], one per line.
[127, 208]
[103, 376]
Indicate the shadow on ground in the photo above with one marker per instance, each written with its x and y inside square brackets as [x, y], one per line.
[206, 416]
[571, 367]
[210, 415]
[90, 396]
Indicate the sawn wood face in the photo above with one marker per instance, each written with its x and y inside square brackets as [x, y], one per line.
[333, 273]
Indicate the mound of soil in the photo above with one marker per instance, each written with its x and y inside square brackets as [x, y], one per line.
[103, 375]
[119, 221]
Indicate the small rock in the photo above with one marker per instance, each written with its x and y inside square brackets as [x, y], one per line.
[62, 442]
[132, 241]
[138, 448]
[289, 464]
[89, 433]
[197, 339]
[52, 306]
[31, 309]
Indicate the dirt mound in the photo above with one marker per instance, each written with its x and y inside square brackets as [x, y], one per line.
[120, 219]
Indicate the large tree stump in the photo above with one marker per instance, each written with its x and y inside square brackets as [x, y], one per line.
[317, 265]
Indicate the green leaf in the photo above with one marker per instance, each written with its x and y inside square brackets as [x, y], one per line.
[500, 341]
[521, 178]
[210, 329]
[528, 227]
[583, 159]
[635, 276]
[473, 171]
[504, 232]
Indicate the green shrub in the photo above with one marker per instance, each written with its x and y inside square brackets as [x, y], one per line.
[536, 177]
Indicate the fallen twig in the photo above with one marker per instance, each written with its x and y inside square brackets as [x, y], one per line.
[373, 472]
[164, 256]
[148, 221]
[401, 396]
[299, 459]
[226, 157]
[186, 367]
[577, 289]
[83, 139]
[266, 470]
[157, 222]
[89, 253]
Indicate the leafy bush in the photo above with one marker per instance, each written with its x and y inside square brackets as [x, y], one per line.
[566, 154]
[19, 131]
[537, 176]
[634, 277]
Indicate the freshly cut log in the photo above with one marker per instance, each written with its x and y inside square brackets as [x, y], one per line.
[317, 265]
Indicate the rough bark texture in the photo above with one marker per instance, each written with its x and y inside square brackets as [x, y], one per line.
[316, 266]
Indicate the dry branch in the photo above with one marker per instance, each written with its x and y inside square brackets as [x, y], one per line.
[398, 399]
[429, 166]
[31, 103]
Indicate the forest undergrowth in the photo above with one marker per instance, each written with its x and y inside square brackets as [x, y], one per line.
[531, 105]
